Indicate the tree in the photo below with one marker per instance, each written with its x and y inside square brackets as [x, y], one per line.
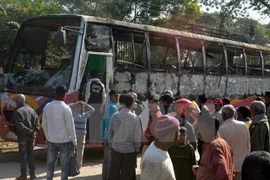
[239, 7]
[238, 26]
[139, 11]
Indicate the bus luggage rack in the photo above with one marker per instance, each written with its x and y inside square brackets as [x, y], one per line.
[198, 29]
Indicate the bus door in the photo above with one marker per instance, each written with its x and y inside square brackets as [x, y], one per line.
[103, 64]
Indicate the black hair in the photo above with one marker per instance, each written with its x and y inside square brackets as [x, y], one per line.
[127, 100]
[94, 73]
[153, 97]
[226, 101]
[183, 130]
[244, 110]
[112, 92]
[61, 90]
[202, 98]
[167, 98]
[258, 98]
[256, 166]
[267, 94]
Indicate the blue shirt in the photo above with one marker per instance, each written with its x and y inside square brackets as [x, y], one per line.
[80, 120]
[110, 109]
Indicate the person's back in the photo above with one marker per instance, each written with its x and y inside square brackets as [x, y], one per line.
[236, 134]
[58, 130]
[162, 169]
[28, 118]
[209, 169]
[123, 140]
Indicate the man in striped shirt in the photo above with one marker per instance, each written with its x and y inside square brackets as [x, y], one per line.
[80, 111]
[124, 137]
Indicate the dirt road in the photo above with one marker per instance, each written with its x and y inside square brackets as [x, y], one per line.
[91, 170]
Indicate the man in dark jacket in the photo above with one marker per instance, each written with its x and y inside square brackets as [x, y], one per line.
[26, 124]
[259, 128]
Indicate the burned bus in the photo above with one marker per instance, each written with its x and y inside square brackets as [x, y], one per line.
[62, 49]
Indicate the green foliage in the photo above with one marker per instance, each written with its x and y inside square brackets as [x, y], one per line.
[238, 26]
[239, 7]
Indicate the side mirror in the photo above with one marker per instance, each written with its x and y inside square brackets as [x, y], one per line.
[61, 38]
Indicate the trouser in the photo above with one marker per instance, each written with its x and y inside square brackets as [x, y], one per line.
[106, 167]
[26, 151]
[237, 176]
[94, 122]
[123, 165]
[80, 149]
[53, 149]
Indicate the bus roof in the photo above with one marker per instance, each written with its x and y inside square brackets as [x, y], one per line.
[149, 28]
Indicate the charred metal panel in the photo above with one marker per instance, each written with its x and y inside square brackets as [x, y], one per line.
[215, 86]
[191, 85]
[258, 85]
[265, 84]
[122, 81]
[162, 81]
[141, 81]
[237, 87]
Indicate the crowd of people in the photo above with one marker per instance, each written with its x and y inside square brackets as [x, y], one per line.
[233, 143]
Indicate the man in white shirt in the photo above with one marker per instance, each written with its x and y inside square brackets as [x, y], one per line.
[59, 129]
[156, 162]
[236, 134]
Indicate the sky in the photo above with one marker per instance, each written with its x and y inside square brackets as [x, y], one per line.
[252, 14]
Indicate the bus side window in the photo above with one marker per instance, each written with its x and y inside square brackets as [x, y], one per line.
[266, 65]
[163, 53]
[191, 61]
[254, 64]
[215, 60]
[236, 61]
[127, 54]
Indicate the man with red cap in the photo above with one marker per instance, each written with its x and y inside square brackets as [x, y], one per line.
[218, 106]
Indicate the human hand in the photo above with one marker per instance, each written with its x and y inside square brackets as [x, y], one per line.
[73, 147]
[35, 135]
[195, 169]
[101, 110]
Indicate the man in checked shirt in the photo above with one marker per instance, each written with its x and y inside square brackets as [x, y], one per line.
[124, 136]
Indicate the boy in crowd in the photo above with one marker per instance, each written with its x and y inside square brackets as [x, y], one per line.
[244, 114]
[183, 157]
[80, 111]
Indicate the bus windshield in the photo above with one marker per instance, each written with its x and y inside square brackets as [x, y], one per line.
[37, 64]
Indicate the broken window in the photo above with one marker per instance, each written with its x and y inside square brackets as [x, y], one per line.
[191, 56]
[163, 52]
[191, 61]
[254, 64]
[39, 64]
[266, 59]
[98, 38]
[236, 61]
[130, 49]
